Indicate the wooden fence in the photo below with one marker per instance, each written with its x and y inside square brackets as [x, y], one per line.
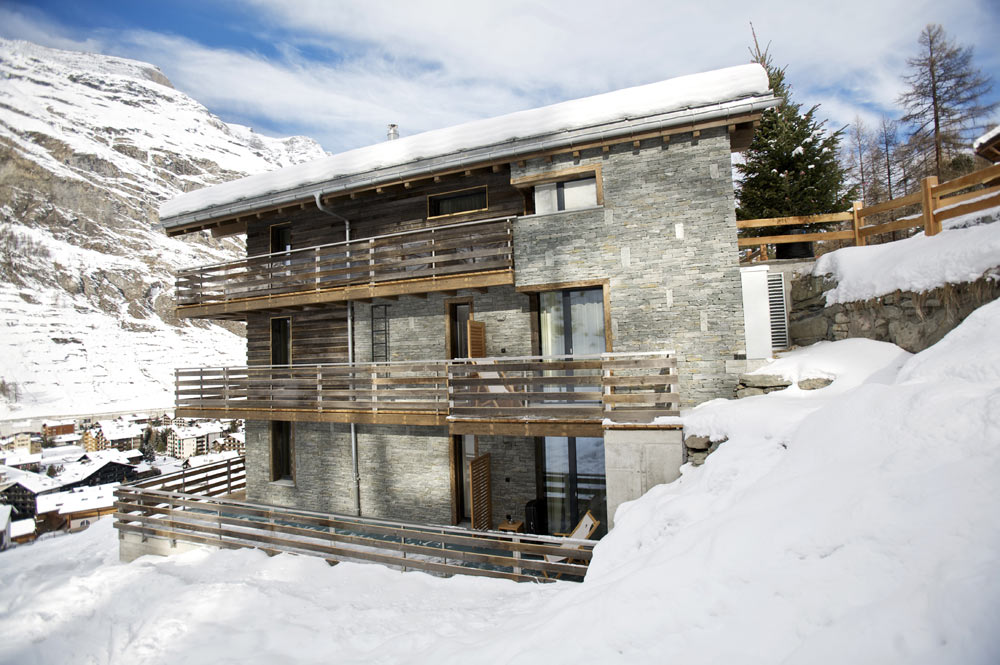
[202, 518]
[937, 203]
[425, 253]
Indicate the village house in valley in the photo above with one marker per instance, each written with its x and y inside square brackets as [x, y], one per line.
[490, 323]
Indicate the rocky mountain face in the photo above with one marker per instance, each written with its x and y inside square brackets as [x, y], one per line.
[90, 145]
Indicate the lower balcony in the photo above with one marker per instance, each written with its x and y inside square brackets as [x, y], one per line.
[526, 396]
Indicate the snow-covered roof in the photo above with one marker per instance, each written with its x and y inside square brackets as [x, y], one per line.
[20, 458]
[77, 471]
[211, 458]
[721, 93]
[34, 482]
[79, 499]
[22, 528]
[67, 438]
[200, 429]
[115, 430]
[986, 138]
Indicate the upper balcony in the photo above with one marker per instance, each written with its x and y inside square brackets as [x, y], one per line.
[442, 258]
[528, 396]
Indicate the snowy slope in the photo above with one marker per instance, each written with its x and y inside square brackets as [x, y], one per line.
[90, 146]
[857, 527]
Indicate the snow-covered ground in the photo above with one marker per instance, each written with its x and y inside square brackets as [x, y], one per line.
[856, 523]
[967, 247]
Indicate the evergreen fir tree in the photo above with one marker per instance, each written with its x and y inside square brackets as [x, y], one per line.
[791, 167]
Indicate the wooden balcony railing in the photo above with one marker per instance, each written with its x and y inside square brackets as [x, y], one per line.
[153, 513]
[402, 392]
[374, 266]
[546, 392]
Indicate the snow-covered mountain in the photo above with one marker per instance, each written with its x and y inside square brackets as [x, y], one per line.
[89, 147]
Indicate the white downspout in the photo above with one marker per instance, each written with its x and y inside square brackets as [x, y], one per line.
[350, 359]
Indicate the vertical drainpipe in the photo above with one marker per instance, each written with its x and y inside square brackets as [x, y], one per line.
[350, 359]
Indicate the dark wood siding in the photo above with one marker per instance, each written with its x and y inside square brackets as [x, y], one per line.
[396, 209]
[318, 336]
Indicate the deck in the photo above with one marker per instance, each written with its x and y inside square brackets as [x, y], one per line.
[524, 396]
[197, 507]
[443, 258]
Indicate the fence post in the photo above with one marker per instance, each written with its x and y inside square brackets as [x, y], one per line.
[928, 200]
[859, 240]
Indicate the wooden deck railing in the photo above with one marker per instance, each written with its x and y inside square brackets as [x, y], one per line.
[215, 479]
[441, 251]
[413, 387]
[624, 387]
[442, 550]
[935, 202]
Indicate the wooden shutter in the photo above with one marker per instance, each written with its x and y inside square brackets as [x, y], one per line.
[477, 338]
[482, 494]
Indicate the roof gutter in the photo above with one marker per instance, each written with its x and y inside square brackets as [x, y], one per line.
[509, 150]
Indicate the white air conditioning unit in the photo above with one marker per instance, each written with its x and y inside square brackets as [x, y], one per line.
[777, 303]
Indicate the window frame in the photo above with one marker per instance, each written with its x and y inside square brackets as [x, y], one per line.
[528, 183]
[273, 443]
[486, 195]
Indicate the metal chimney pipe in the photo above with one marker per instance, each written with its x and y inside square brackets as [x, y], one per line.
[393, 132]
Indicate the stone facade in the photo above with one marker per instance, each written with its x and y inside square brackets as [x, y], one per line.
[666, 239]
[913, 321]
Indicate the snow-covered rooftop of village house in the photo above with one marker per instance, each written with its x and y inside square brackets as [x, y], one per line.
[34, 482]
[75, 500]
[986, 138]
[200, 429]
[22, 528]
[115, 430]
[210, 458]
[720, 93]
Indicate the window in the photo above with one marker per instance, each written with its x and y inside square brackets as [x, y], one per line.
[380, 333]
[281, 238]
[281, 450]
[281, 341]
[567, 195]
[452, 203]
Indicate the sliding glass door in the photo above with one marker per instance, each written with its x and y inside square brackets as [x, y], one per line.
[572, 322]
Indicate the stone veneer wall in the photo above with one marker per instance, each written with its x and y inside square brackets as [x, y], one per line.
[913, 321]
[666, 237]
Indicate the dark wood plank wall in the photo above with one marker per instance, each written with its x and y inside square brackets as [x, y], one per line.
[318, 336]
[396, 209]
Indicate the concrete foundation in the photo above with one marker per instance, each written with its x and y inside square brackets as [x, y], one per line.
[636, 460]
[131, 546]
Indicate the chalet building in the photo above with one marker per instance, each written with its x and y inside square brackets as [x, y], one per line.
[487, 323]
[185, 441]
[20, 490]
[58, 428]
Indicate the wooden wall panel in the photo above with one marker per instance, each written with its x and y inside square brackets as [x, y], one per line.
[396, 209]
[318, 336]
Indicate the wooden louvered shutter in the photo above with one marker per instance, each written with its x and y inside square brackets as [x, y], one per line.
[477, 338]
[482, 493]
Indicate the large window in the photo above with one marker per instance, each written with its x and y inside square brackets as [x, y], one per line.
[572, 322]
[452, 203]
[281, 451]
[566, 195]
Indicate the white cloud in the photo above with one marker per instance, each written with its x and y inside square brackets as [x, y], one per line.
[436, 63]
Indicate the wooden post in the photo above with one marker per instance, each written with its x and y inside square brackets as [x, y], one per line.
[859, 240]
[928, 200]
[763, 252]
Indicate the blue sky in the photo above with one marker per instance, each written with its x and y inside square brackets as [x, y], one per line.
[339, 71]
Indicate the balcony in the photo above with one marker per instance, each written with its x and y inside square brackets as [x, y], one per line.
[444, 258]
[527, 396]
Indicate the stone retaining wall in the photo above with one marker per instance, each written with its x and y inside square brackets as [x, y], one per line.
[913, 321]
